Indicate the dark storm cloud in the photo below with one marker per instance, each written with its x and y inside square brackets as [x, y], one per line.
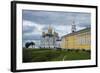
[56, 18]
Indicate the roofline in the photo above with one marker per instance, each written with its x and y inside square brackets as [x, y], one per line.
[77, 32]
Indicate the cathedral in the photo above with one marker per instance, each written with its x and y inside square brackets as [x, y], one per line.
[50, 39]
[80, 39]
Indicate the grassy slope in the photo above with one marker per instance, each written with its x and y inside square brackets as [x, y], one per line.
[41, 55]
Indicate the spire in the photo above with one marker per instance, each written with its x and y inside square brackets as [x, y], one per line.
[73, 26]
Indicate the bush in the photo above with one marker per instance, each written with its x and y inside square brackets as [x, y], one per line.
[77, 50]
[83, 50]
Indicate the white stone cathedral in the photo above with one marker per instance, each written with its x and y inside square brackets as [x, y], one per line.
[50, 39]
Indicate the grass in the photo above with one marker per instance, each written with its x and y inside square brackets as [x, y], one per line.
[43, 55]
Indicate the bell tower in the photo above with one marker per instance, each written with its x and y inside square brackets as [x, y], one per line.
[73, 26]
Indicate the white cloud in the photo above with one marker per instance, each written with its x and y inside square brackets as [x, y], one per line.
[37, 28]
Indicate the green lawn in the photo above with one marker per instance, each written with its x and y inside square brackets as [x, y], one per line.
[43, 55]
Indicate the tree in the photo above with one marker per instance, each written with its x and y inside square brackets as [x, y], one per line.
[27, 44]
[32, 44]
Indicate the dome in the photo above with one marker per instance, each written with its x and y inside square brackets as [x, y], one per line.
[50, 29]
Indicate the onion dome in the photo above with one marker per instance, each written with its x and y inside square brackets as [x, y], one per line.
[50, 30]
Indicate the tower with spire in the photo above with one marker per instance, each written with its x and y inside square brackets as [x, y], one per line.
[73, 27]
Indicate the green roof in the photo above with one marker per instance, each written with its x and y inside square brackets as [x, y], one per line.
[78, 32]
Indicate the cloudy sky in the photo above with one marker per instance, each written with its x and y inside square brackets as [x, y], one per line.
[34, 22]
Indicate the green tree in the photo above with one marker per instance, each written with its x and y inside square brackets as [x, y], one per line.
[32, 44]
[27, 44]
